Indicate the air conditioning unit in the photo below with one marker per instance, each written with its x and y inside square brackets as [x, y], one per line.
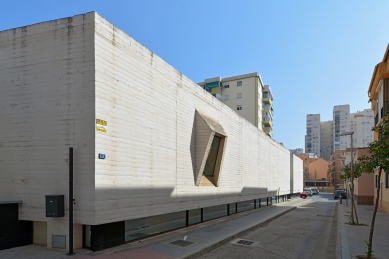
[218, 96]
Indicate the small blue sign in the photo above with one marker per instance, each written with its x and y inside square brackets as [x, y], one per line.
[101, 156]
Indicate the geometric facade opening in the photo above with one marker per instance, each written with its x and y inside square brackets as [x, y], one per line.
[210, 142]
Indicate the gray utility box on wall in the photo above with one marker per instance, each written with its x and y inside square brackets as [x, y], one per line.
[55, 206]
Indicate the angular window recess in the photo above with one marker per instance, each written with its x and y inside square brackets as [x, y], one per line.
[207, 148]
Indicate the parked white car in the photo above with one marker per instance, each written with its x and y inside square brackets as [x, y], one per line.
[315, 190]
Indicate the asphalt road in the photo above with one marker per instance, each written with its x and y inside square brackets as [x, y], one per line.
[310, 231]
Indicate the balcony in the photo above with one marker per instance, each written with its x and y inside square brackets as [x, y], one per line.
[267, 108]
[267, 121]
[267, 99]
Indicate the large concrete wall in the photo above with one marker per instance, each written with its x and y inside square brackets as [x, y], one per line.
[58, 77]
[46, 106]
[150, 109]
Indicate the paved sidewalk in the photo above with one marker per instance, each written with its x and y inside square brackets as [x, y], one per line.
[353, 236]
[205, 238]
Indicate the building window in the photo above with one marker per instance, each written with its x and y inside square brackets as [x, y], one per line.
[226, 97]
[239, 95]
[239, 107]
[209, 90]
[226, 86]
[239, 83]
[386, 180]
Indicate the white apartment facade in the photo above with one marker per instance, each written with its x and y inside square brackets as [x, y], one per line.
[361, 123]
[145, 160]
[341, 122]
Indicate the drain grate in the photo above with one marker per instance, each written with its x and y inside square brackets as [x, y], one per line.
[244, 242]
[182, 243]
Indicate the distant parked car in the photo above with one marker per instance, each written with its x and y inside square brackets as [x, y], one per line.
[308, 191]
[340, 193]
[315, 190]
[303, 195]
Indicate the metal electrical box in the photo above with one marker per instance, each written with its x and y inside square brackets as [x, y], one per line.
[55, 206]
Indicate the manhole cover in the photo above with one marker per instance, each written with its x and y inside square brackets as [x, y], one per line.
[181, 243]
[244, 242]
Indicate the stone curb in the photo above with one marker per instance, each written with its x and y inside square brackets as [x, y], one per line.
[345, 248]
[215, 245]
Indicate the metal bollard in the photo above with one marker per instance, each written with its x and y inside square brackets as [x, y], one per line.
[340, 199]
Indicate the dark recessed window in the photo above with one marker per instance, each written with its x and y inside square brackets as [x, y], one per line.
[209, 167]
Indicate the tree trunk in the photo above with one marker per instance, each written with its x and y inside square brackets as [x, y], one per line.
[352, 203]
[356, 215]
[374, 214]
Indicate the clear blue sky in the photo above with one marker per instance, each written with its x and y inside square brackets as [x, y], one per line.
[313, 54]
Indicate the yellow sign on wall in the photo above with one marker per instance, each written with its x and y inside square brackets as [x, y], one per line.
[101, 125]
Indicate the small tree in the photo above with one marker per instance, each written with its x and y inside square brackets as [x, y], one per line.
[377, 161]
[347, 176]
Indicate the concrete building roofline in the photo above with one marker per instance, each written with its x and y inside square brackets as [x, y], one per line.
[231, 78]
[237, 77]
[213, 79]
[54, 20]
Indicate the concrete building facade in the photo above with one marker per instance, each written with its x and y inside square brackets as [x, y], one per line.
[145, 160]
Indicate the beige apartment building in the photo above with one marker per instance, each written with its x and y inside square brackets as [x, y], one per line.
[247, 96]
[379, 98]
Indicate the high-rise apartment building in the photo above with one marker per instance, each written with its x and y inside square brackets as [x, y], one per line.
[312, 138]
[362, 123]
[246, 95]
[326, 143]
[341, 122]
[323, 138]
